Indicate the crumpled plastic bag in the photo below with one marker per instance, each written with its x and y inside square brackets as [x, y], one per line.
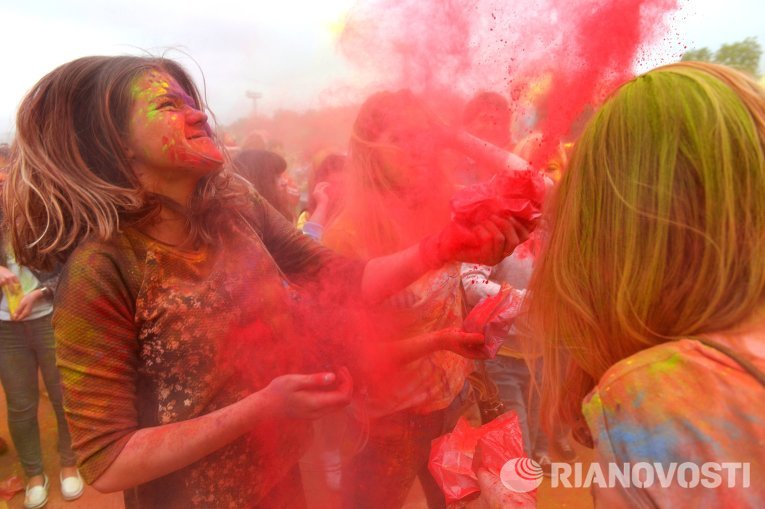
[10, 486]
[497, 447]
[494, 316]
[493, 450]
[517, 194]
[452, 456]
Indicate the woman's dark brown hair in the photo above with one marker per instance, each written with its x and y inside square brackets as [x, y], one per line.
[262, 169]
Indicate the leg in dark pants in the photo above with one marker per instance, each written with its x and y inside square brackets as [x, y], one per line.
[25, 347]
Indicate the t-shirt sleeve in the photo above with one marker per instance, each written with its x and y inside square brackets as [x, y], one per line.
[669, 406]
[299, 256]
[97, 356]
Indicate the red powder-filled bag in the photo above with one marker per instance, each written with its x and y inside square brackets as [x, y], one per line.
[493, 451]
[517, 194]
[494, 316]
[452, 455]
[496, 447]
[451, 462]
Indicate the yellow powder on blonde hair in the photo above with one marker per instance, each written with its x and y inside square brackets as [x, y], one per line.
[657, 227]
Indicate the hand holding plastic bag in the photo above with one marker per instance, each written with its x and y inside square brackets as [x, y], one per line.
[494, 316]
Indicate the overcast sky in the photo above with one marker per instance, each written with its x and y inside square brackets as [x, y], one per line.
[284, 49]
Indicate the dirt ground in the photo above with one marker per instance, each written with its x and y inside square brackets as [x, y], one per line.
[547, 498]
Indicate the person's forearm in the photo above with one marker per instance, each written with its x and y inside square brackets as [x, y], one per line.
[154, 452]
[497, 158]
[409, 349]
[320, 214]
[386, 275]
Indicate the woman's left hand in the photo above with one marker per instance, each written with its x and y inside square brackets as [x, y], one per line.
[27, 304]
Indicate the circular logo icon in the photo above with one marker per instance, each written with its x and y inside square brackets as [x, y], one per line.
[521, 475]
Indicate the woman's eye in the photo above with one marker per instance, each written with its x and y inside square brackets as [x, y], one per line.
[165, 104]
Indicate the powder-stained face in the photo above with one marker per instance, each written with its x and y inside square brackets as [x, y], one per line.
[168, 132]
[491, 124]
[408, 147]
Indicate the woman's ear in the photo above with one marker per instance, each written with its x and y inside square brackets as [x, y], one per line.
[125, 146]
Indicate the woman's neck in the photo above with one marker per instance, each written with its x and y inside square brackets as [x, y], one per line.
[171, 227]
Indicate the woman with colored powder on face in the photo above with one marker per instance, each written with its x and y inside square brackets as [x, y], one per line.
[173, 311]
[395, 191]
[650, 295]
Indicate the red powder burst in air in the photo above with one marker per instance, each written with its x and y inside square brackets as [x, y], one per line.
[562, 55]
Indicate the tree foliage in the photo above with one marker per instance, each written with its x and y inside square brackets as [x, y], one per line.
[744, 55]
[699, 55]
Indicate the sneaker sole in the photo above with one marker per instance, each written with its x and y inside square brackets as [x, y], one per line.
[77, 495]
[38, 506]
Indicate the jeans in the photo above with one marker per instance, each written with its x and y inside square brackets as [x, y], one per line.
[26, 346]
[513, 380]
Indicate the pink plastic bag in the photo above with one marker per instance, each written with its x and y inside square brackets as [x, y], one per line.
[494, 316]
[493, 450]
[451, 462]
[452, 456]
[516, 194]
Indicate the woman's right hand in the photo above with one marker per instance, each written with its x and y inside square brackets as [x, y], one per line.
[310, 396]
[7, 277]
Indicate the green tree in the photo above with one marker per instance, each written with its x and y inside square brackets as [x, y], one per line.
[744, 55]
[701, 55]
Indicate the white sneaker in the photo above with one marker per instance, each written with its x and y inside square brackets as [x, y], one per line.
[72, 487]
[37, 496]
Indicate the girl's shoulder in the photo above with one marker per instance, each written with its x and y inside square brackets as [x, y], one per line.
[672, 359]
[674, 400]
[119, 259]
[123, 245]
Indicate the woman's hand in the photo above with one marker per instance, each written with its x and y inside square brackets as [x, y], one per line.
[487, 242]
[7, 277]
[309, 396]
[26, 305]
[321, 193]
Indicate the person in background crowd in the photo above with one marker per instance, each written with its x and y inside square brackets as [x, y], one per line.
[26, 348]
[488, 116]
[325, 193]
[266, 172]
[394, 193]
